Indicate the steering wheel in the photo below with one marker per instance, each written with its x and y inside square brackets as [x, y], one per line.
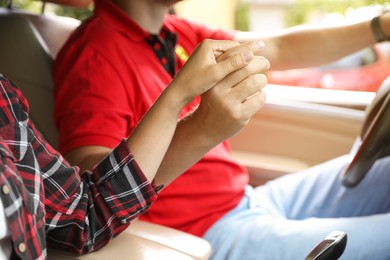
[374, 140]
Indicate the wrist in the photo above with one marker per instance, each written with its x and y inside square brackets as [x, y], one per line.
[178, 95]
[200, 129]
[380, 27]
[174, 100]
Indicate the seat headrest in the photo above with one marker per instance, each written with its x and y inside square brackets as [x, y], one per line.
[28, 47]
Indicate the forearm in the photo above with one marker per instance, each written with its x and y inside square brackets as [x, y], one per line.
[151, 138]
[188, 145]
[306, 46]
[320, 46]
[148, 142]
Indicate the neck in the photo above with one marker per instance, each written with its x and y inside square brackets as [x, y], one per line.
[147, 13]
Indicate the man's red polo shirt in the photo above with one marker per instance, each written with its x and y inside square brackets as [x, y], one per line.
[106, 77]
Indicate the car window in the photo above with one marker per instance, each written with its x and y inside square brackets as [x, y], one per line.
[358, 59]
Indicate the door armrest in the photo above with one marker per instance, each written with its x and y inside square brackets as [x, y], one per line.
[143, 241]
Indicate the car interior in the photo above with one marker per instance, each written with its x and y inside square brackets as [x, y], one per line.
[297, 128]
[29, 66]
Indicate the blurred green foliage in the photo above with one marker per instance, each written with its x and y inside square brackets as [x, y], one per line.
[242, 21]
[37, 6]
[298, 11]
[78, 13]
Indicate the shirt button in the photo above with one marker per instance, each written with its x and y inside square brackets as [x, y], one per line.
[22, 247]
[5, 189]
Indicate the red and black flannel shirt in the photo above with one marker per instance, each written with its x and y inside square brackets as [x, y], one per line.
[47, 202]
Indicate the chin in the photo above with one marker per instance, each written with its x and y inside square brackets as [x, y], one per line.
[168, 2]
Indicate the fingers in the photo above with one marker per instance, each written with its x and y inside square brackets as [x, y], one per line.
[242, 89]
[230, 103]
[201, 72]
[258, 65]
[248, 95]
[225, 57]
[231, 64]
[252, 47]
[253, 104]
[218, 47]
[249, 87]
[238, 57]
[215, 62]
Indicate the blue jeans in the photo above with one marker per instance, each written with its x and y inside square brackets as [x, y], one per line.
[287, 217]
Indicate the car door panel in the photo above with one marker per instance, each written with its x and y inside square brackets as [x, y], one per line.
[289, 135]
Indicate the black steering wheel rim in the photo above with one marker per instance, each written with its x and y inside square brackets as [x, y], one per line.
[374, 140]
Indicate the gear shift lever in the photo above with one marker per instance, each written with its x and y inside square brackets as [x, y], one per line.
[331, 248]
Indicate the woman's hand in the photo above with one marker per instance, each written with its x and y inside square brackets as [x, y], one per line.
[202, 71]
[227, 107]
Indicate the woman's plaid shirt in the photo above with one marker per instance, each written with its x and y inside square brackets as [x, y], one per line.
[47, 202]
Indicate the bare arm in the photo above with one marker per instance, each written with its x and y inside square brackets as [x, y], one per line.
[305, 46]
[151, 138]
[223, 112]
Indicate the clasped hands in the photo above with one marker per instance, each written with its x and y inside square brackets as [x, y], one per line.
[229, 77]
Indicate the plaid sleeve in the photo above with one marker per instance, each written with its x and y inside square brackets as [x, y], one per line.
[122, 185]
[98, 206]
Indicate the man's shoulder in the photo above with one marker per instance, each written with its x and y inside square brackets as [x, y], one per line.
[91, 31]
[92, 35]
